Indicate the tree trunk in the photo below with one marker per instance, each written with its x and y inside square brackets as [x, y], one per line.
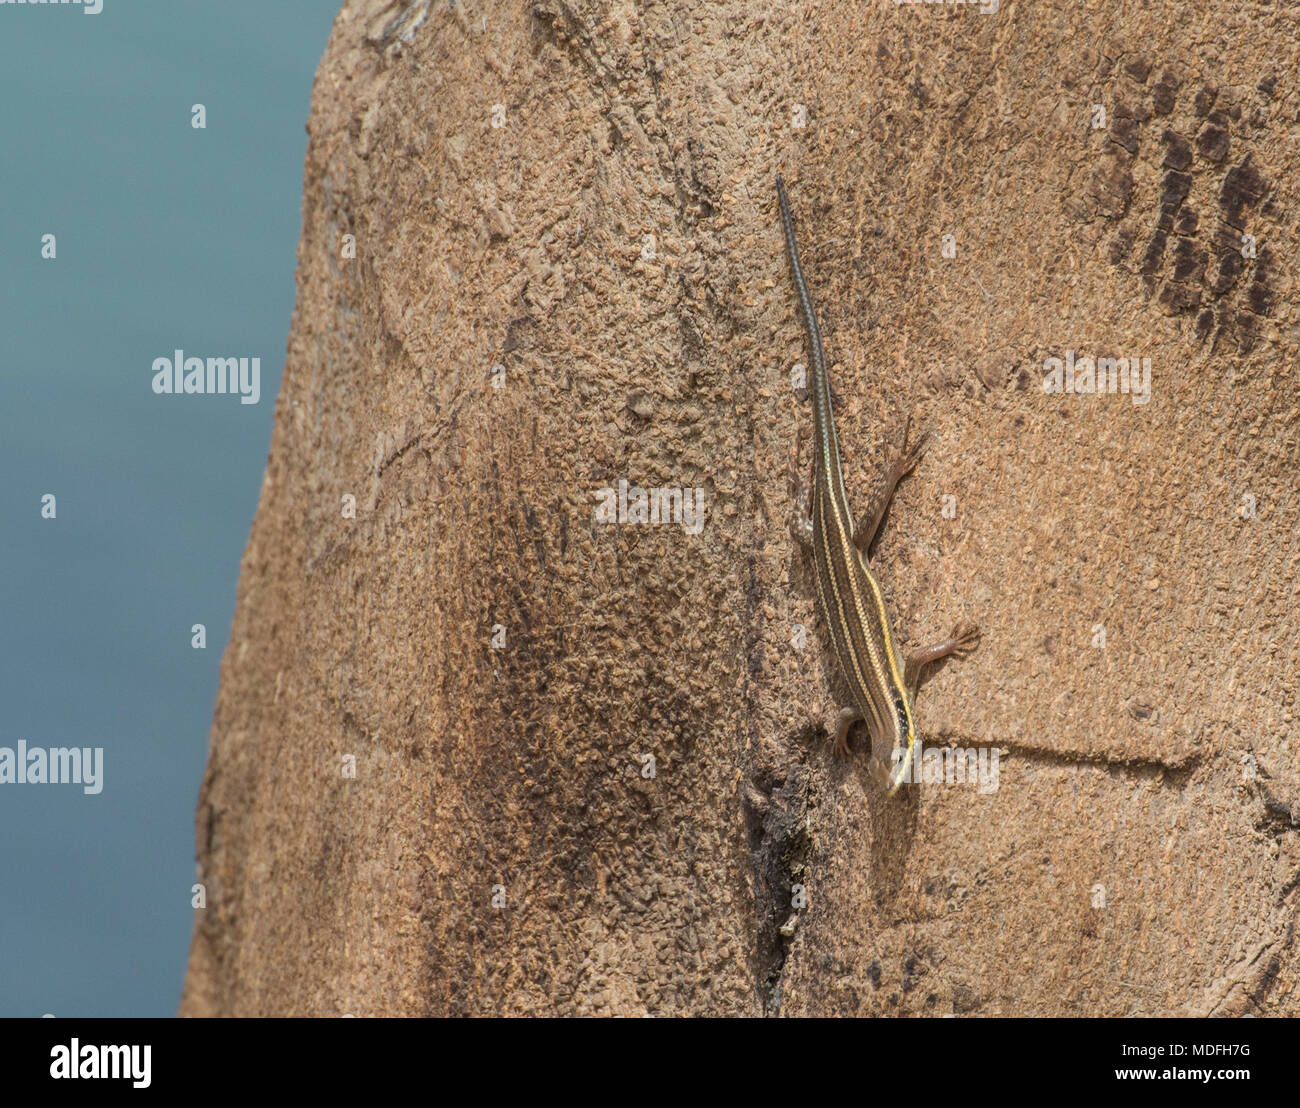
[479, 750]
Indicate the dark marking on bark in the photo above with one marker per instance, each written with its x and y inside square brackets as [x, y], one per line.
[1165, 93]
[1212, 143]
[1207, 270]
[1178, 151]
[776, 820]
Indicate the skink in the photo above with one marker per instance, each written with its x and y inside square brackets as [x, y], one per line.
[882, 686]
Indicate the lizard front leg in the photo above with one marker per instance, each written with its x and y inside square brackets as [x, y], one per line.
[882, 490]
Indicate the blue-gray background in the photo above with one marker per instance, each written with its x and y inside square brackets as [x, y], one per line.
[167, 237]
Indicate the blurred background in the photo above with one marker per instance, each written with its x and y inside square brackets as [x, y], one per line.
[166, 237]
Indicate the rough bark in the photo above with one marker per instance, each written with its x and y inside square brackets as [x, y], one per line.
[612, 249]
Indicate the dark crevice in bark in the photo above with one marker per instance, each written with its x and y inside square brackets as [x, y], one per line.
[776, 818]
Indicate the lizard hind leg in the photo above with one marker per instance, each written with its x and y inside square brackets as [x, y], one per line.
[843, 723]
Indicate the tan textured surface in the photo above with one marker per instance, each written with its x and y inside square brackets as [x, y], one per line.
[526, 246]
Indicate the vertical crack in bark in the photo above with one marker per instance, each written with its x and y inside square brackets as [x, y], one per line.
[777, 817]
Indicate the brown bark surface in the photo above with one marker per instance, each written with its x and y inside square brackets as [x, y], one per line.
[568, 271]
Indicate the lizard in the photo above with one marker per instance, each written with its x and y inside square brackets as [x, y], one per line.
[882, 686]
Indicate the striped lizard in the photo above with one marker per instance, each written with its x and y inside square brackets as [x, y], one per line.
[882, 690]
